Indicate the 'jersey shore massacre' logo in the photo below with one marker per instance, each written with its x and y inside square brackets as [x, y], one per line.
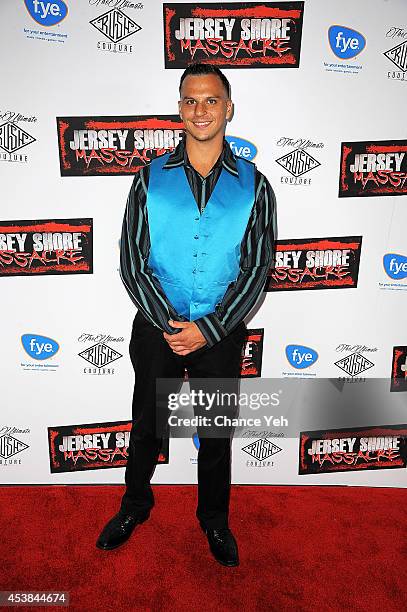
[63, 246]
[364, 448]
[315, 263]
[74, 448]
[252, 354]
[233, 35]
[94, 146]
[373, 168]
[399, 369]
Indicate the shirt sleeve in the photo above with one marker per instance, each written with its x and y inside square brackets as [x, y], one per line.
[256, 255]
[143, 288]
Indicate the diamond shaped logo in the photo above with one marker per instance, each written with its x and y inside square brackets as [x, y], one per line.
[398, 55]
[298, 162]
[354, 364]
[100, 355]
[12, 137]
[261, 449]
[10, 446]
[115, 25]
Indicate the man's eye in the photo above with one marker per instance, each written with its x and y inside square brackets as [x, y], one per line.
[211, 101]
[189, 101]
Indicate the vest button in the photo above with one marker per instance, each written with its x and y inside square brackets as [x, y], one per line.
[195, 255]
[196, 218]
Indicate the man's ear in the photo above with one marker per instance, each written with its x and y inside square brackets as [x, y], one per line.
[229, 109]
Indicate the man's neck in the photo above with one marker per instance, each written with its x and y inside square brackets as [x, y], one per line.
[203, 155]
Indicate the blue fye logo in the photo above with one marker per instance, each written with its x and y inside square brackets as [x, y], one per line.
[345, 42]
[300, 357]
[195, 440]
[39, 347]
[395, 265]
[47, 13]
[242, 148]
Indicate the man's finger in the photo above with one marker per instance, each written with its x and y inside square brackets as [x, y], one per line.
[167, 336]
[175, 341]
[177, 345]
[182, 352]
[172, 339]
[178, 335]
[178, 323]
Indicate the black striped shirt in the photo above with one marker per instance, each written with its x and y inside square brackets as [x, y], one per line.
[256, 250]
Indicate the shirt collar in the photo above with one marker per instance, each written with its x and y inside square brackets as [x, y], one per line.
[179, 157]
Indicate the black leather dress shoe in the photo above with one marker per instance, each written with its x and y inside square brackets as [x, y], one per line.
[223, 546]
[118, 530]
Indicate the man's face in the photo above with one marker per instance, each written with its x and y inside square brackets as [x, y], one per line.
[204, 106]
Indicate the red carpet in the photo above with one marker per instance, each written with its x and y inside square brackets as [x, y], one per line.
[301, 548]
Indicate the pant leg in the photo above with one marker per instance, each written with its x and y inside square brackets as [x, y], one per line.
[151, 358]
[214, 470]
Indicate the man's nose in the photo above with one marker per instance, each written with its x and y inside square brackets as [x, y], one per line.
[200, 108]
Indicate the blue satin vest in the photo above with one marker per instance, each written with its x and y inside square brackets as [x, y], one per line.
[196, 256]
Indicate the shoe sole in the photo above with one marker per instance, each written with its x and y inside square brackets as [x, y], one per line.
[226, 564]
[100, 547]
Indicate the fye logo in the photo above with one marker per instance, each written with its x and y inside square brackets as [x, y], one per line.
[395, 265]
[195, 440]
[345, 42]
[39, 347]
[47, 13]
[300, 357]
[242, 148]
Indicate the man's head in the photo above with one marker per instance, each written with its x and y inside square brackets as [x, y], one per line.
[202, 69]
[205, 105]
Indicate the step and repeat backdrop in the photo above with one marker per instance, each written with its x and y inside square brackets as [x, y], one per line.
[89, 95]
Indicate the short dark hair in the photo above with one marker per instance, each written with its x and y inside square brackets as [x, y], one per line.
[198, 69]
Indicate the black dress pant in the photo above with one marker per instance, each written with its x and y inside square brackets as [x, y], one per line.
[152, 358]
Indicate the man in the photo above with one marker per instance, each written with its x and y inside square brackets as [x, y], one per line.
[196, 245]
